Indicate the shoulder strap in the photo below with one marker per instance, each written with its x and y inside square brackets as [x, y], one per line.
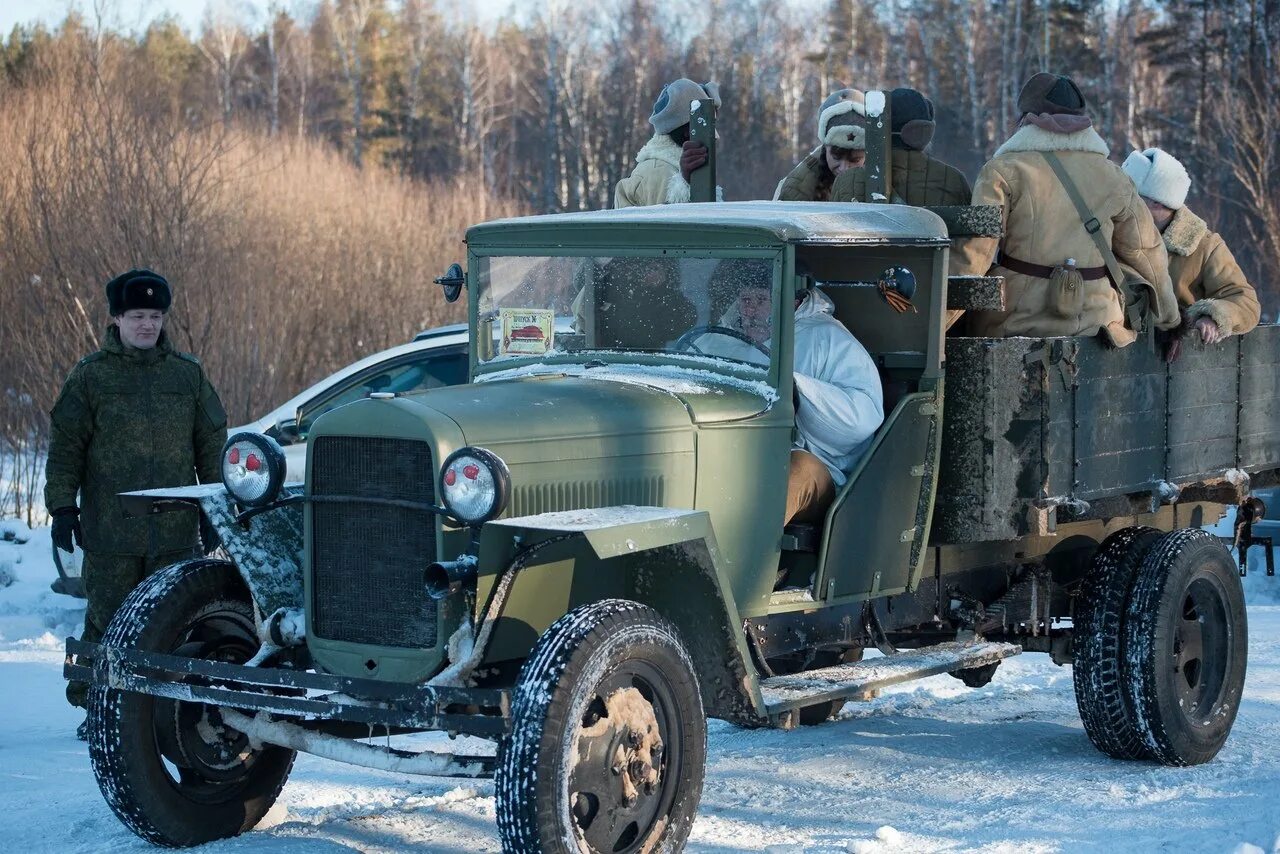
[1134, 305]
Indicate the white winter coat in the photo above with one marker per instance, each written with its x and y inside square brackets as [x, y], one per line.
[841, 401]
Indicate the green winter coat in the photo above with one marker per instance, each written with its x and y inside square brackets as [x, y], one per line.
[133, 419]
[918, 179]
[810, 181]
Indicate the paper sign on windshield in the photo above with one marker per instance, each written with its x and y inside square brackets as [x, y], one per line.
[527, 331]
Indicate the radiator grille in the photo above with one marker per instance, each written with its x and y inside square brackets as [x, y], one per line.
[367, 560]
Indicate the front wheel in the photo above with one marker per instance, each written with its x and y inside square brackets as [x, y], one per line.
[172, 771]
[608, 737]
[1186, 640]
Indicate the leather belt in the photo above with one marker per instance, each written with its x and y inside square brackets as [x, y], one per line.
[1041, 271]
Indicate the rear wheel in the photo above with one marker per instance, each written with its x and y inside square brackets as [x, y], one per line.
[1187, 643]
[608, 738]
[172, 771]
[1100, 670]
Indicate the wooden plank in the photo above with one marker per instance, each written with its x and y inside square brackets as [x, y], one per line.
[1113, 474]
[1208, 457]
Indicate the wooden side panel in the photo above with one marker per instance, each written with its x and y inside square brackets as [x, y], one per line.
[1119, 420]
[1033, 423]
[1258, 448]
[1202, 411]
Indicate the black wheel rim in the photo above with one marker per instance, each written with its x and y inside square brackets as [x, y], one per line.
[620, 790]
[1201, 649]
[203, 759]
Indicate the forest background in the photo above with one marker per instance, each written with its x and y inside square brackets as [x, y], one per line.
[302, 175]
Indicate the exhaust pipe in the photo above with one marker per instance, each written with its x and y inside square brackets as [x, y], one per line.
[445, 578]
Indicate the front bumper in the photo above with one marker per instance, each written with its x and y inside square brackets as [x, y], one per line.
[306, 698]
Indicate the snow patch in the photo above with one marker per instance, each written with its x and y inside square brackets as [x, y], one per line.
[592, 520]
[459, 649]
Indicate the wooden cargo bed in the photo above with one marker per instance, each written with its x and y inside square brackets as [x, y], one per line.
[1040, 430]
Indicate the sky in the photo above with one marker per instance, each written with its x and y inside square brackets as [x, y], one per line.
[135, 14]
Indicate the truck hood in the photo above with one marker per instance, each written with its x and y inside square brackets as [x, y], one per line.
[571, 412]
[707, 396]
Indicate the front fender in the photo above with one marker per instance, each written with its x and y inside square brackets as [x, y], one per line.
[665, 558]
[266, 549]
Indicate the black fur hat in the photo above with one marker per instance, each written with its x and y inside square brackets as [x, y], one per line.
[138, 289]
[912, 115]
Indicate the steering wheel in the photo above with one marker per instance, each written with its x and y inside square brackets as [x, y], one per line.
[685, 341]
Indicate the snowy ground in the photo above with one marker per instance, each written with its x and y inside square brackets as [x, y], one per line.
[931, 766]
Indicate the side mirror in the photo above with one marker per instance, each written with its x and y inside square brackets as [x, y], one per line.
[452, 282]
[287, 430]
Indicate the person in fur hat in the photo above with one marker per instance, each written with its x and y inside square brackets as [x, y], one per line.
[1043, 230]
[917, 178]
[842, 144]
[1217, 300]
[137, 414]
[663, 166]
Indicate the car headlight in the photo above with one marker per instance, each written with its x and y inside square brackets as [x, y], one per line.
[474, 484]
[252, 468]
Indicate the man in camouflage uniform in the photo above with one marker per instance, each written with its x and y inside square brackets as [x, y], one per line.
[137, 414]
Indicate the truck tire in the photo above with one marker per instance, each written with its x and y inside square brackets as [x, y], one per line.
[1100, 669]
[171, 771]
[1186, 638]
[608, 737]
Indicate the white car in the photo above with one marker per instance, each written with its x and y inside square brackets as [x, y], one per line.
[434, 358]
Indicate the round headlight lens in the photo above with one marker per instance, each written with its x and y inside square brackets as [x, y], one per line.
[252, 468]
[474, 484]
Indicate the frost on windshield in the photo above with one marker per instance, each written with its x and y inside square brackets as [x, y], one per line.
[721, 308]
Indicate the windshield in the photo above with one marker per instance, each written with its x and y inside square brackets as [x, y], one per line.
[699, 306]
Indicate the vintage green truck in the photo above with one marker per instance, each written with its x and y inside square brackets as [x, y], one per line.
[580, 555]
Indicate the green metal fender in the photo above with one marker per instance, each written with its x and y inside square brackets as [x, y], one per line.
[665, 558]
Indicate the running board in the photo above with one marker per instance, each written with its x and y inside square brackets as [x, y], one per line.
[784, 694]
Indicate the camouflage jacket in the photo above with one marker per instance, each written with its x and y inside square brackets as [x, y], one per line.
[133, 419]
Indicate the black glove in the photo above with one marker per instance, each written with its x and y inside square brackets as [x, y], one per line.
[66, 527]
[208, 534]
[693, 155]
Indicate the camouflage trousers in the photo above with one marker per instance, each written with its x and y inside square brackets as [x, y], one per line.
[108, 579]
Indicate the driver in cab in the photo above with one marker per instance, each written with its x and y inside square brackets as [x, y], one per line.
[840, 404]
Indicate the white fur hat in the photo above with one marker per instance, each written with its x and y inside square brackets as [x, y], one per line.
[842, 133]
[671, 110]
[1158, 176]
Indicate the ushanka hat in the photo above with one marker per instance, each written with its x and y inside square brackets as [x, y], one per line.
[138, 289]
[840, 120]
[912, 116]
[1158, 176]
[671, 110]
[1055, 94]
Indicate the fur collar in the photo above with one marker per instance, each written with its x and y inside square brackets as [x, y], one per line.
[662, 148]
[1184, 232]
[1032, 138]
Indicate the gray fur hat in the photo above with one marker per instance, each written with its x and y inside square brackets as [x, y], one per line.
[840, 120]
[671, 110]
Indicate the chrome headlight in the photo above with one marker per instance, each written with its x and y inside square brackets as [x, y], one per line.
[253, 468]
[474, 484]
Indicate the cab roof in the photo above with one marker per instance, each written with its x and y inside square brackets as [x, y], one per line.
[764, 222]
